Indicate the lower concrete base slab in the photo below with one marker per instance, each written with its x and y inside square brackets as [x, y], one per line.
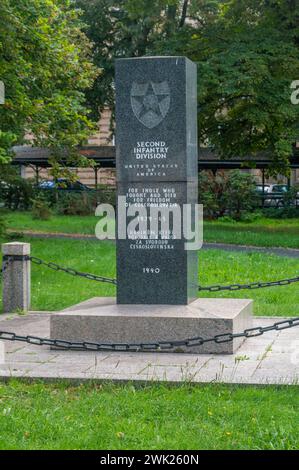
[101, 320]
[262, 360]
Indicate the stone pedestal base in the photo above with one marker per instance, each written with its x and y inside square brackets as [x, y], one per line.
[101, 320]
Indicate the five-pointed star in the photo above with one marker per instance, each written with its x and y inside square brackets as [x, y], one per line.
[150, 101]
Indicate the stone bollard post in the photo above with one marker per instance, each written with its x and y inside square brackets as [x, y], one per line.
[2, 352]
[16, 277]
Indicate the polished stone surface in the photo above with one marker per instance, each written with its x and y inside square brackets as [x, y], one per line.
[269, 359]
[156, 119]
[156, 270]
[156, 149]
[101, 320]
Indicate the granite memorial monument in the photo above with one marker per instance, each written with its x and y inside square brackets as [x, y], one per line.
[156, 161]
[157, 278]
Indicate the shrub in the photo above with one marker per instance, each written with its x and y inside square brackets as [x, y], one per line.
[250, 216]
[15, 192]
[211, 193]
[83, 203]
[281, 212]
[106, 195]
[240, 196]
[229, 194]
[227, 219]
[71, 203]
[41, 209]
[289, 198]
[2, 227]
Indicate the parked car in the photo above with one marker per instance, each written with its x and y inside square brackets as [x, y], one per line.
[64, 185]
[259, 188]
[278, 196]
[279, 188]
[274, 194]
[272, 188]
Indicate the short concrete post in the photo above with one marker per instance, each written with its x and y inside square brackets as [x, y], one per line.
[2, 352]
[16, 277]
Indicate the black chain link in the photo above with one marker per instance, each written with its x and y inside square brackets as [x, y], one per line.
[57, 267]
[154, 346]
[251, 285]
[94, 277]
[71, 271]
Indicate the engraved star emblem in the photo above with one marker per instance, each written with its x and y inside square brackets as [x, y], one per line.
[150, 102]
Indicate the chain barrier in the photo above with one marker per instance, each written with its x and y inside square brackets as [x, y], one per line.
[251, 285]
[154, 346]
[57, 267]
[94, 277]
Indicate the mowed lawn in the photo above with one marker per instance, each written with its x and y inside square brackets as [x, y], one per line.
[262, 232]
[57, 416]
[56, 290]
[156, 416]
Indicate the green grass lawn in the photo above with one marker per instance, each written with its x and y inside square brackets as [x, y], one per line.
[262, 232]
[57, 223]
[55, 290]
[61, 416]
[40, 416]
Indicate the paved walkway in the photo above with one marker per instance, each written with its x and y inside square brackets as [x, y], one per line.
[269, 359]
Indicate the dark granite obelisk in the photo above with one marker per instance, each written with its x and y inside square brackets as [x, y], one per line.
[156, 159]
[156, 142]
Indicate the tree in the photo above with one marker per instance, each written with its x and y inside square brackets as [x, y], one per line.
[246, 72]
[247, 56]
[126, 28]
[45, 66]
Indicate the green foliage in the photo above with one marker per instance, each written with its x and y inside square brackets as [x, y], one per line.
[45, 66]
[212, 190]
[229, 194]
[240, 196]
[73, 203]
[41, 209]
[281, 212]
[124, 28]
[246, 71]
[290, 197]
[247, 56]
[15, 192]
[2, 227]
[7, 139]
[106, 195]
[248, 217]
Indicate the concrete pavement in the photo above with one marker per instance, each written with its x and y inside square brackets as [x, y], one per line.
[269, 359]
